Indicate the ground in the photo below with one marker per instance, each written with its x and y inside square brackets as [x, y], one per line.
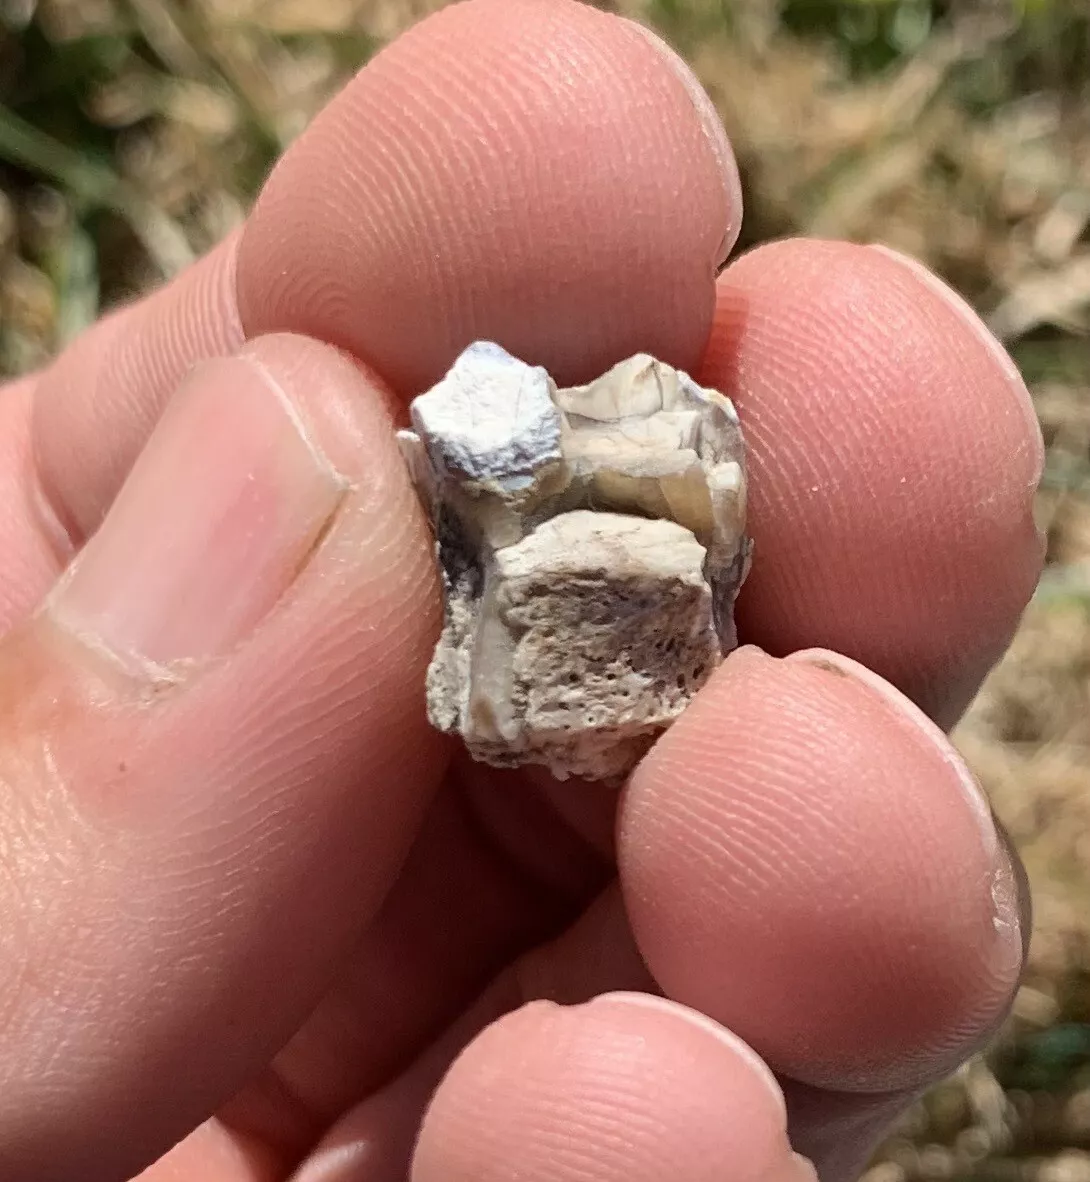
[133, 134]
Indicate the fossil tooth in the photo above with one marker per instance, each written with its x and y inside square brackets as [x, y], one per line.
[591, 542]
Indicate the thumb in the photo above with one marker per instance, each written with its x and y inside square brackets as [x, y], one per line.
[213, 754]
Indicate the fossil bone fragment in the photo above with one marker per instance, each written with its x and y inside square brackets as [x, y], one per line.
[591, 542]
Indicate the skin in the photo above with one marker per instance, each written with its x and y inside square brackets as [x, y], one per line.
[260, 923]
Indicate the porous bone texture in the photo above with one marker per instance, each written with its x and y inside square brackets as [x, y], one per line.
[591, 542]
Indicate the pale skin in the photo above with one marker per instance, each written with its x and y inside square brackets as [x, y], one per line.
[259, 921]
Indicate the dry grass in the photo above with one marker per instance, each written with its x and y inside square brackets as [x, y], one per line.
[134, 132]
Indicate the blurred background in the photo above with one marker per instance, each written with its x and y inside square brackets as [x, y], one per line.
[134, 133]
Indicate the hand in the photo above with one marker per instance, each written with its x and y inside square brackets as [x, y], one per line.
[254, 906]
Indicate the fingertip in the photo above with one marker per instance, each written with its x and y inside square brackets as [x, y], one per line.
[693, 1025]
[806, 859]
[557, 1083]
[893, 461]
[921, 276]
[901, 712]
[714, 130]
[534, 173]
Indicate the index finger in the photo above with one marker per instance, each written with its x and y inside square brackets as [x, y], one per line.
[538, 173]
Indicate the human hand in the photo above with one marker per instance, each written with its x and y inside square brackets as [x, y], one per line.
[251, 902]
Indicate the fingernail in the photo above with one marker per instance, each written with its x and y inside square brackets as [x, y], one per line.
[699, 1021]
[714, 132]
[968, 316]
[219, 514]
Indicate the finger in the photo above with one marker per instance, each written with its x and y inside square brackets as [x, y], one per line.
[807, 860]
[34, 548]
[894, 457]
[213, 1153]
[841, 1131]
[215, 759]
[373, 1139]
[836, 1131]
[532, 171]
[95, 407]
[71, 433]
[626, 1087]
[465, 903]
[571, 117]
[597, 954]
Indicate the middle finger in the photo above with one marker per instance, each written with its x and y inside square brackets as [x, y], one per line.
[894, 455]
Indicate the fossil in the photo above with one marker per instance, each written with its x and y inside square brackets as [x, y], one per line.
[591, 542]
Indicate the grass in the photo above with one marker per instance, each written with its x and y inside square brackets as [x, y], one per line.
[133, 134]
